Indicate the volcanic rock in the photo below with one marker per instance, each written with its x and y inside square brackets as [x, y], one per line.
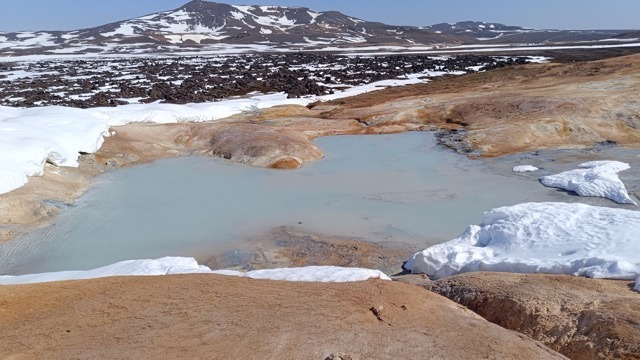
[579, 317]
[263, 146]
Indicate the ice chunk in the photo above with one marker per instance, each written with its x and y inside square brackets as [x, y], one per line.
[595, 178]
[524, 168]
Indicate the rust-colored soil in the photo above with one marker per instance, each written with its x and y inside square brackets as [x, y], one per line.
[219, 317]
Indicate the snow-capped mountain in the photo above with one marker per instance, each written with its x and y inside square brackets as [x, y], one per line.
[476, 31]
[202, 23]
[209, 26]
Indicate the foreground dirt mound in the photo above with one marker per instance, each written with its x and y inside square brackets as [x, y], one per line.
[579, 317]
[219, 317]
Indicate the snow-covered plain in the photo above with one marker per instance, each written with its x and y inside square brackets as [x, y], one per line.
[557, 238]
[185, 265]
[594, 178]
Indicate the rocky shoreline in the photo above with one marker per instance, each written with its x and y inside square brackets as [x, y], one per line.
[287, 246]
[504, 111]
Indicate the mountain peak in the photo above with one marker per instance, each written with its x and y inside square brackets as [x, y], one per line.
[193, 4]
[200, 23]
[200, 5]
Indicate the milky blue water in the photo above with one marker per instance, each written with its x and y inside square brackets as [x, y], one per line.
[384, 188]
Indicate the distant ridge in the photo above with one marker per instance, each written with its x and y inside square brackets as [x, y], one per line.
[630, 35]
[204, 25]
[477, 31]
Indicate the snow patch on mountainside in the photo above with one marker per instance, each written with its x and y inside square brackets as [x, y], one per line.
[126, 29]
[269, 20]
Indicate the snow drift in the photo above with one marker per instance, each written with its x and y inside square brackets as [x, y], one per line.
[594, 178]
[556, 238]
[524, 168]
[185, 265]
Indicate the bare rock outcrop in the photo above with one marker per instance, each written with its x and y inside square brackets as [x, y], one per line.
[263, 146]
[579, 317]
[523, 108]
[295, 247]
[202, 316]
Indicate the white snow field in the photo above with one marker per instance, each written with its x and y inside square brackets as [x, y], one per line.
[594, 178]
[29, 137]
[556, 238]
[185, 265]
[524, 168]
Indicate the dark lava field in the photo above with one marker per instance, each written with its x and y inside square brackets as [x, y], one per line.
[96, 82]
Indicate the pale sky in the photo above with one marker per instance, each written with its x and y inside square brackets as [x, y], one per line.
[544, 14]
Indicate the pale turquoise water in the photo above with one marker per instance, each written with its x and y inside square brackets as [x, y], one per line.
[386, 188]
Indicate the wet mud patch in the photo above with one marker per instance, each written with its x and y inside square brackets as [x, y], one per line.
[291, 247]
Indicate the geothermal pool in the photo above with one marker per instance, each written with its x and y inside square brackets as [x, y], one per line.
[387, 188]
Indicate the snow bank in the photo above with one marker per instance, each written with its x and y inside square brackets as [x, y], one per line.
[172, 113]
[184, 265]
[557, 238]
[30, 137]
[595, 178]
[162, 266]
[524, 168]
[316, 274]
[357, 90]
